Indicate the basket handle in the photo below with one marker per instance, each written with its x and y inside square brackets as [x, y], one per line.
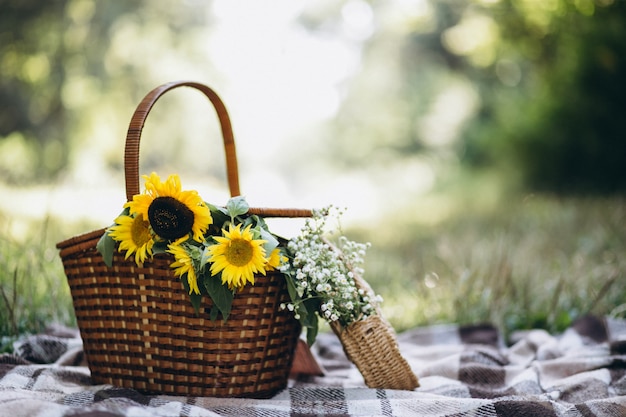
[133, 136]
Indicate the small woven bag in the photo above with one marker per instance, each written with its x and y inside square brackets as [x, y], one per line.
[372, 346]
[137, 323]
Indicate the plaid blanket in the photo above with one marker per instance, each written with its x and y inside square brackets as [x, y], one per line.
[463, 371]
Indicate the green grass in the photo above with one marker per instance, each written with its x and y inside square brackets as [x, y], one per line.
[520, 262]
[466, 255]
[33, 291]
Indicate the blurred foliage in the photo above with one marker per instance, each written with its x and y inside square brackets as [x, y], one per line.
[563, 130]
[533, 88]
[33, 118]
[51, 60]
[66, 64]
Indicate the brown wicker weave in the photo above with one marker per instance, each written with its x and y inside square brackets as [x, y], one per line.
[372, 346]
[138, 326]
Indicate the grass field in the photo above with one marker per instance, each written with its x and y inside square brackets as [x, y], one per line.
[33, 292]
[525, 262]
[519, 262]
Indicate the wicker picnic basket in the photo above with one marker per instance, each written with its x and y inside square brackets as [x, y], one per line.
[138, 326]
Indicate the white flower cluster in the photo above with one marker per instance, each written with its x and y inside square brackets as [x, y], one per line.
[326, 272]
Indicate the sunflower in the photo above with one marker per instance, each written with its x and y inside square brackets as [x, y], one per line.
[238, 256]
[183, 264]
[134, 236]
[275, 260]
[172, 213]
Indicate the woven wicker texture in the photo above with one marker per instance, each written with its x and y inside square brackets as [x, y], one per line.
[371, 345]
[140, 331]
[138, 326]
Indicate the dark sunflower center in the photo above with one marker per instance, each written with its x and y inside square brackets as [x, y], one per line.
[170, 218]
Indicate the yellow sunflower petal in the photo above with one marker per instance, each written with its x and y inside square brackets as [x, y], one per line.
[134, 236]
[172, 212]
[183, 264]
[238, 256]
[275, 260]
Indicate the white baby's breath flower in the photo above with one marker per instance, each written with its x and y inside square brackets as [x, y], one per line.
[320, 272]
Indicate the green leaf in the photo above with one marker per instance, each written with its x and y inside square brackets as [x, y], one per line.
[204, 259]
[306, 309]
[214, 313]
[249, 221]
[291, 288]
[220, 216]
[311, 331]
[196, 301]
[159, 247]
[220, 294]
[106, 247]
[237, 206]
[311, 306]
[194, 251]
[271, 241]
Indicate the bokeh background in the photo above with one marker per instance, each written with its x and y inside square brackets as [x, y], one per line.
[479, 145]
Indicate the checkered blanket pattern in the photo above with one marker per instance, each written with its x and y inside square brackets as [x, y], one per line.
[463, 371]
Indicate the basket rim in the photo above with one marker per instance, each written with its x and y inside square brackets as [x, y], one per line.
[83, 237]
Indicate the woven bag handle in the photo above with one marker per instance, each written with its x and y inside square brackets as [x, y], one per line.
[133, 136]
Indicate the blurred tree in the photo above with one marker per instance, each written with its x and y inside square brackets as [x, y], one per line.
[69, 66]
[32, 54]
[534, 89]
[51, 61]
[561, 127]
